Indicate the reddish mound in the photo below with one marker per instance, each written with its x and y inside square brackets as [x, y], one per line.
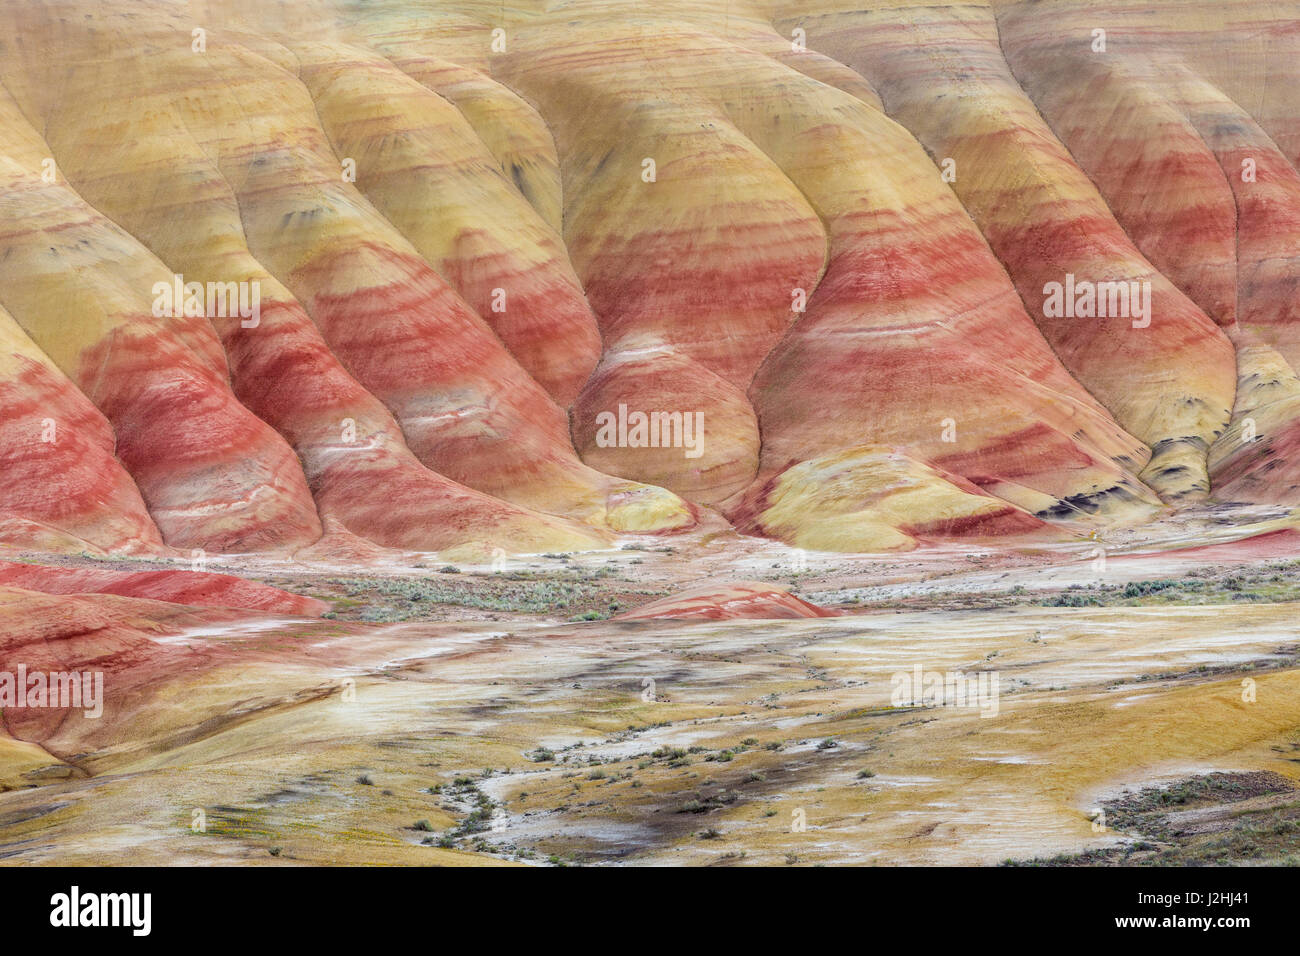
[176, 587]
[1283, 543]
[114, 637]
[724, 602]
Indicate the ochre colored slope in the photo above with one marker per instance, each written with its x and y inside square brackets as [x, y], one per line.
[1170, 381]
[63, 489]
[903, 278]
[212, 475]
[352, 451]
[872, 498]
[1208, 195]
[423, 166]
[456, 392]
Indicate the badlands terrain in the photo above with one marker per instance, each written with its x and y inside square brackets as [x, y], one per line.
[555, 433]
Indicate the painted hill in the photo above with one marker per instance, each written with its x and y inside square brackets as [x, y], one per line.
[852, 274]
[742, 600]
[197, 588]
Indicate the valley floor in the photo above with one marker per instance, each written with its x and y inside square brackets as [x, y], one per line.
[1117, 725]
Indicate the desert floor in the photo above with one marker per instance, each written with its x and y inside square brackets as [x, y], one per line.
[444, 715]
